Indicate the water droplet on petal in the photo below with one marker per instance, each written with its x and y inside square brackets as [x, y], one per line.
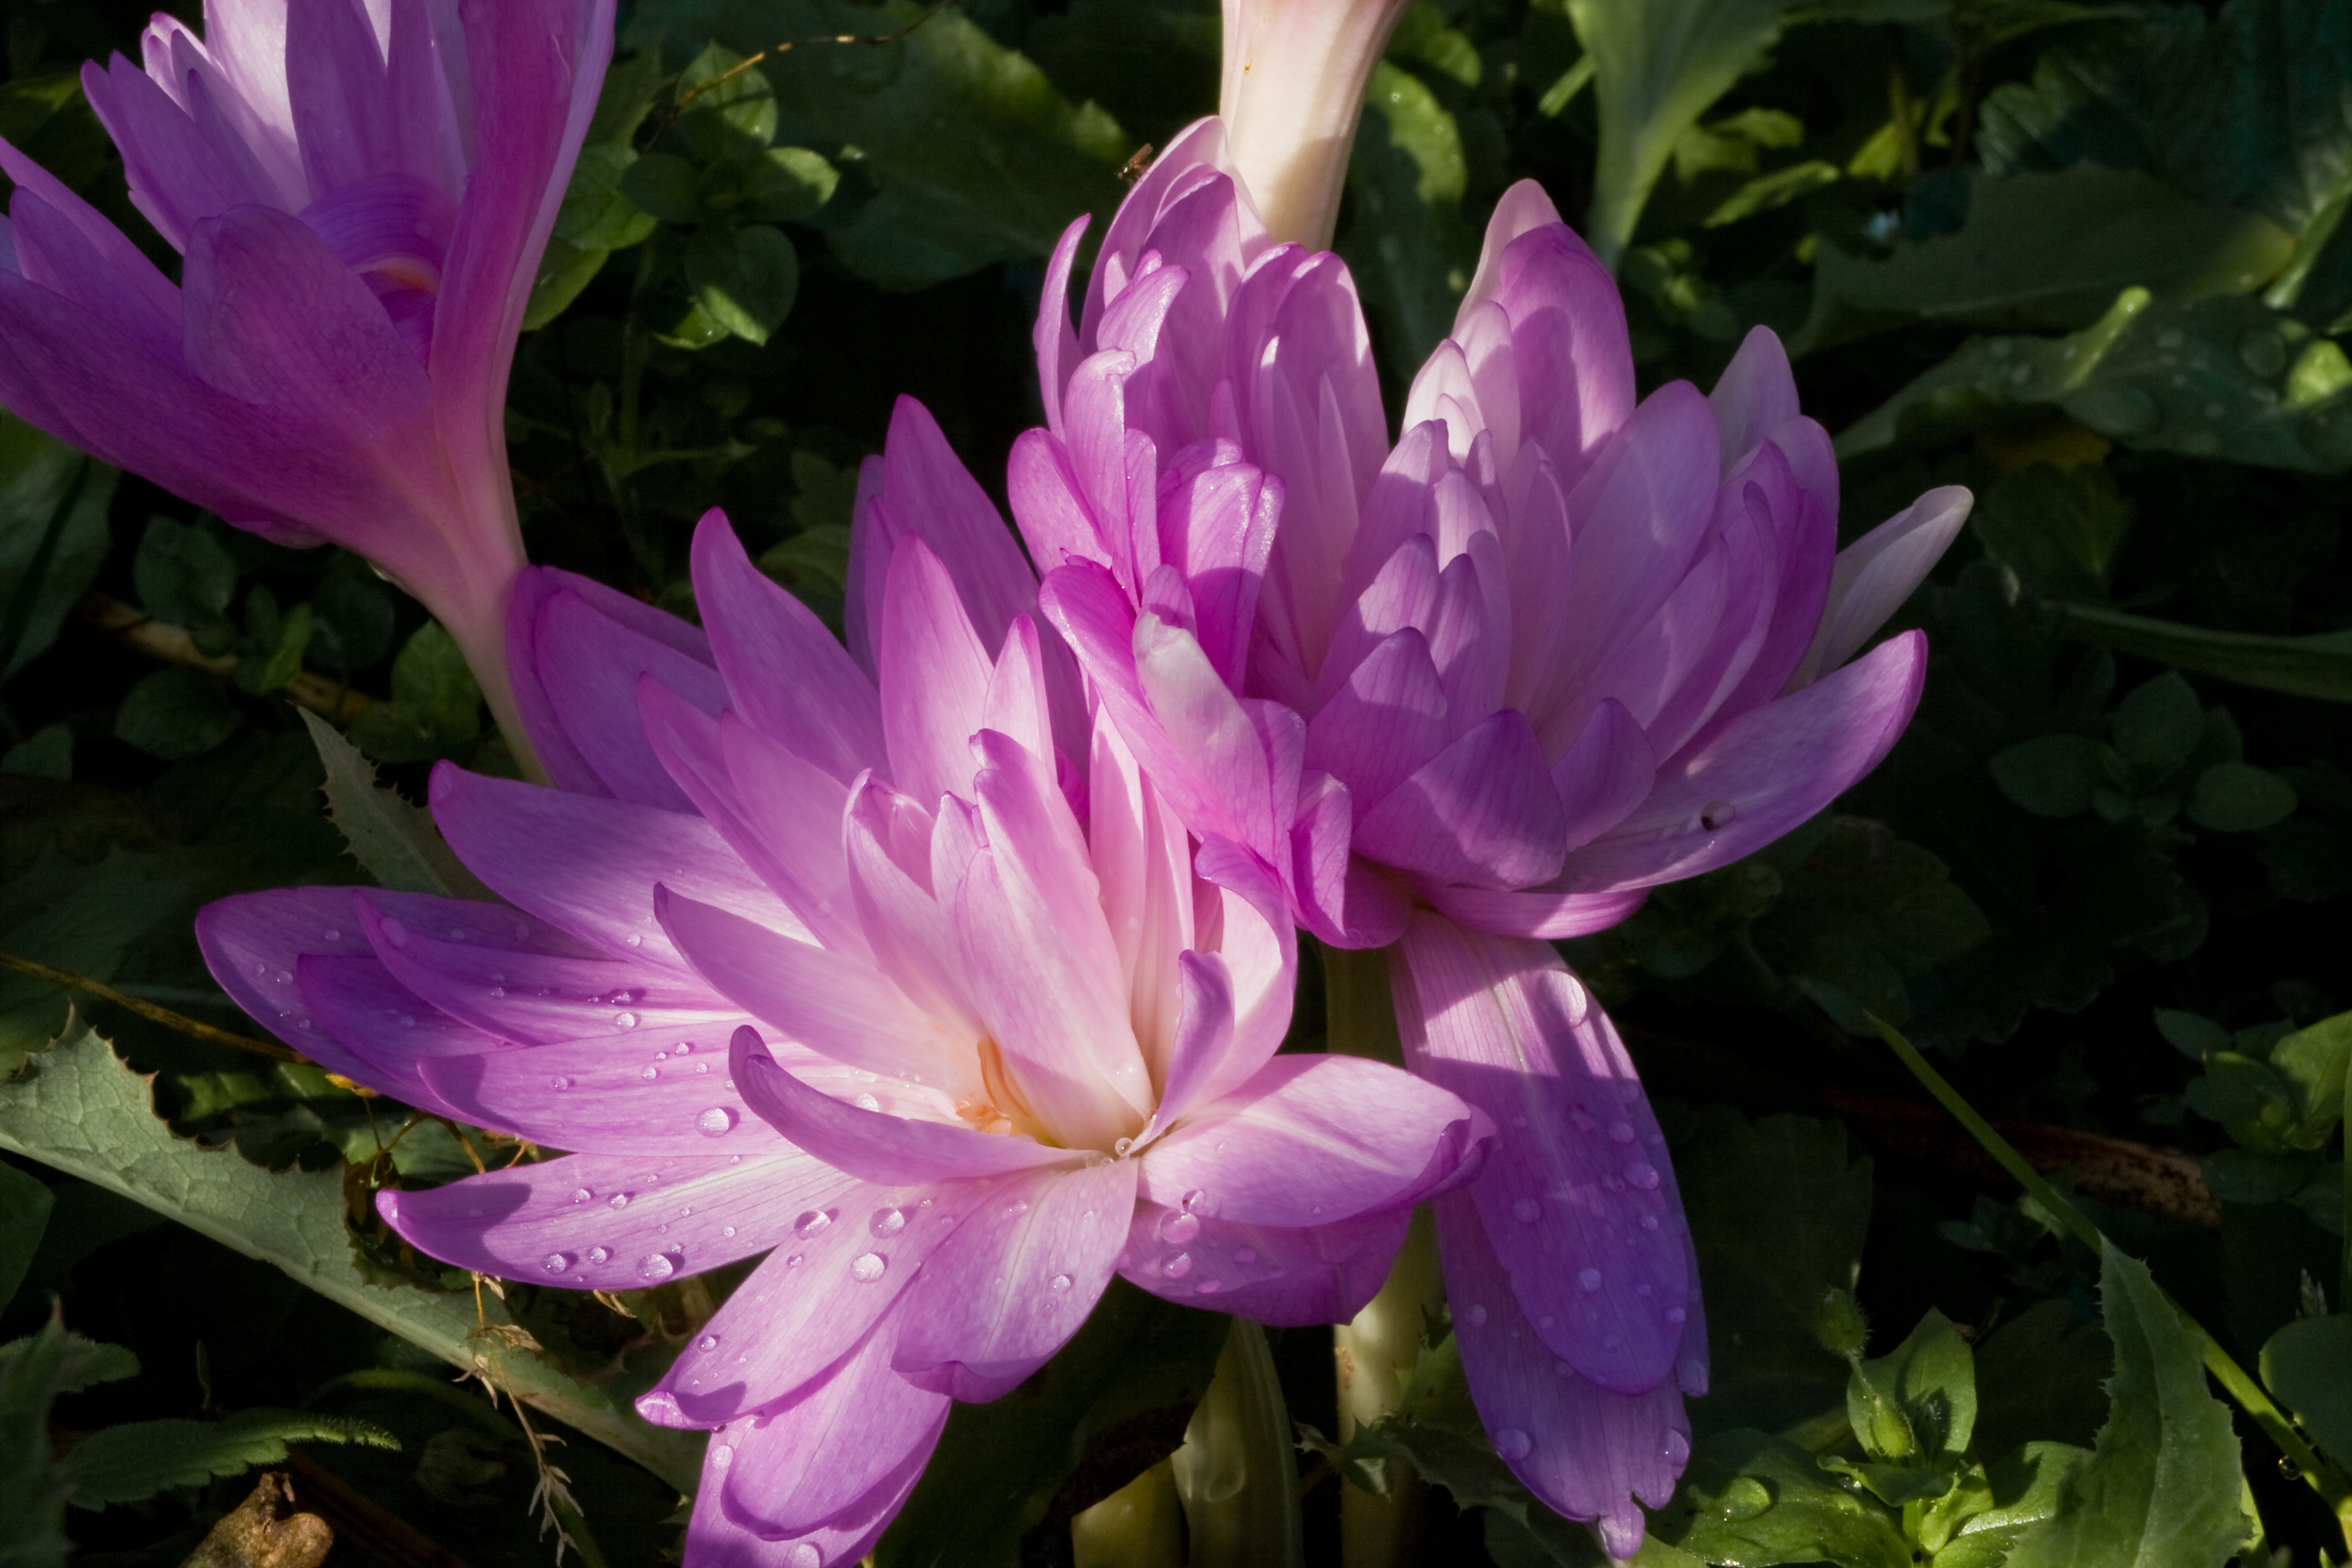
[867, 1266]
[1180, 1228]
[1123, 1147]
[1675, 1316]
[1649, 1222]
[714, 1122]
[634, 940]
[1178, 1267]
[1675, 1450]
[651, 1072]
[581, 1195]
[1527, 1211]
[618, 1200]
[1717, 815]
[497, 990]
[727, 1230]
[1193, 1199]
[655, 1266]
[706, 1342]
[599, 1255]
[624, 1020]
[804, 1555]
[331, 934]
[1208, 1287]
[867, 1102]
[721, 1456]
[1477, 1315]
[1579, 1000]
[556, 1262]
[1588, 1280]
[1059, 1282]
[811, 1222]
[888, 1222]
[1512, 1443]
[1643, 1175]
[1621, 1131]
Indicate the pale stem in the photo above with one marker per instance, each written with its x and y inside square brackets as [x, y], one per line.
[479, 630]
[1141, 1525]
[1376, 1354]
[1237, 1473]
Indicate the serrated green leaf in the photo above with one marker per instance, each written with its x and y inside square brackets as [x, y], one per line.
[2040, 1377]
[394, 841]
[2047, 250]
[1778, 1212]
[83, 1113]
[134, 1462]
[1753, 1498]
[2308, 1365]
[24, 1204]
[1657, 68]
[34, 1372]
[2161, 1486]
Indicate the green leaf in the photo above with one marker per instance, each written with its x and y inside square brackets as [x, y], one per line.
[2319, 666]
[2047, 250]
[631, 84]
[596, 215]
[435, 706]
[664, 185]
[786, 184]
[2313, 1060]
[1405, 242]
[2233, 797]
[48, 560]
[1918, 1402]
[1657, 68]
[176, 712]
[2162, 1485]
[2192, 1034]
[1138, 1360]
[352, 616]
[2157, 725]
[2058, 529]
[1753, 1498]
[395, 842]
[1778, 1212]
[2039, 1375]
[2053, 775]
[975, 156]
[85, 1113]
[24, 1204]
[279, 660]
[2220, 377]
[737, 107]
[45, 754]
[34, 1372]
[564, 271]
[133, 1462]
[2308, 1365]
[184, 575]
[745, 279]
[2022, 1490]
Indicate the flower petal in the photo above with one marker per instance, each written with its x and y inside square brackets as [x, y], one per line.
[934, 677]
[1016, 1280]
[1877, 571]
[1324, 1274]
[588, 666]
[1482, 811]
[252, 942]
[645, 1092]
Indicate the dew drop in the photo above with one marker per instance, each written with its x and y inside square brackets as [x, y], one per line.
[706, 1342]
[794, 1261]
[619, 1200]
[651, 1072]
[599, 1255]
[1643, 1175]
[721, 1456]
[555, 1262]
[1579, 1000]
[624, 1020]
[1178, 1267]
[714, 1122]
[1649, 1222]
[561, 1084]
[1588, 1280]
[804, 1555]
[867, 1102]
[1717, 815]
[702, 1066]
[655, 1266]
[811, 1222]
[1527, 1211]
[728, 1231]
[1208, 1287]
[634, 940]
[581, 1195]
[867, 1266]
[1477, 1315]
[1059, 1282]
[497, 990]
[331, 934]
[1621, 1131]
[1180, 1228]
[1124, 1147]
[1512, 1443]
[1674, 1315]
[1193, 1199]
[888, 1222]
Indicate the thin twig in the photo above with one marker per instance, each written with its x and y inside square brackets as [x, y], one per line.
[150, 1010]
[143, 632]
[749, 61]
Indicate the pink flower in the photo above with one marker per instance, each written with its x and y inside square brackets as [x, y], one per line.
[1552, 647]
[361, 193]
[816, 956]
[1292, 88]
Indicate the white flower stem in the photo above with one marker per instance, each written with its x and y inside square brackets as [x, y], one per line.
[1237, 1472]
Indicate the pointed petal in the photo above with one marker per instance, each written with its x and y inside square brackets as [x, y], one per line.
[379, 1033]
[1604, 775]
[1482, 811]
[934, 677]
[1291, 1278]
[1577, 1194]
[1875, 573]
[252, 942]
[588, 668]
[1548, 912]
[613, 1094]
[1754, 397]
[821, 1456]
[1016, 1280]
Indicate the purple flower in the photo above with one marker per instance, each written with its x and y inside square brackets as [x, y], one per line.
[1551, 648]
[836, 955]
[361, 193]
[1292, 86]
